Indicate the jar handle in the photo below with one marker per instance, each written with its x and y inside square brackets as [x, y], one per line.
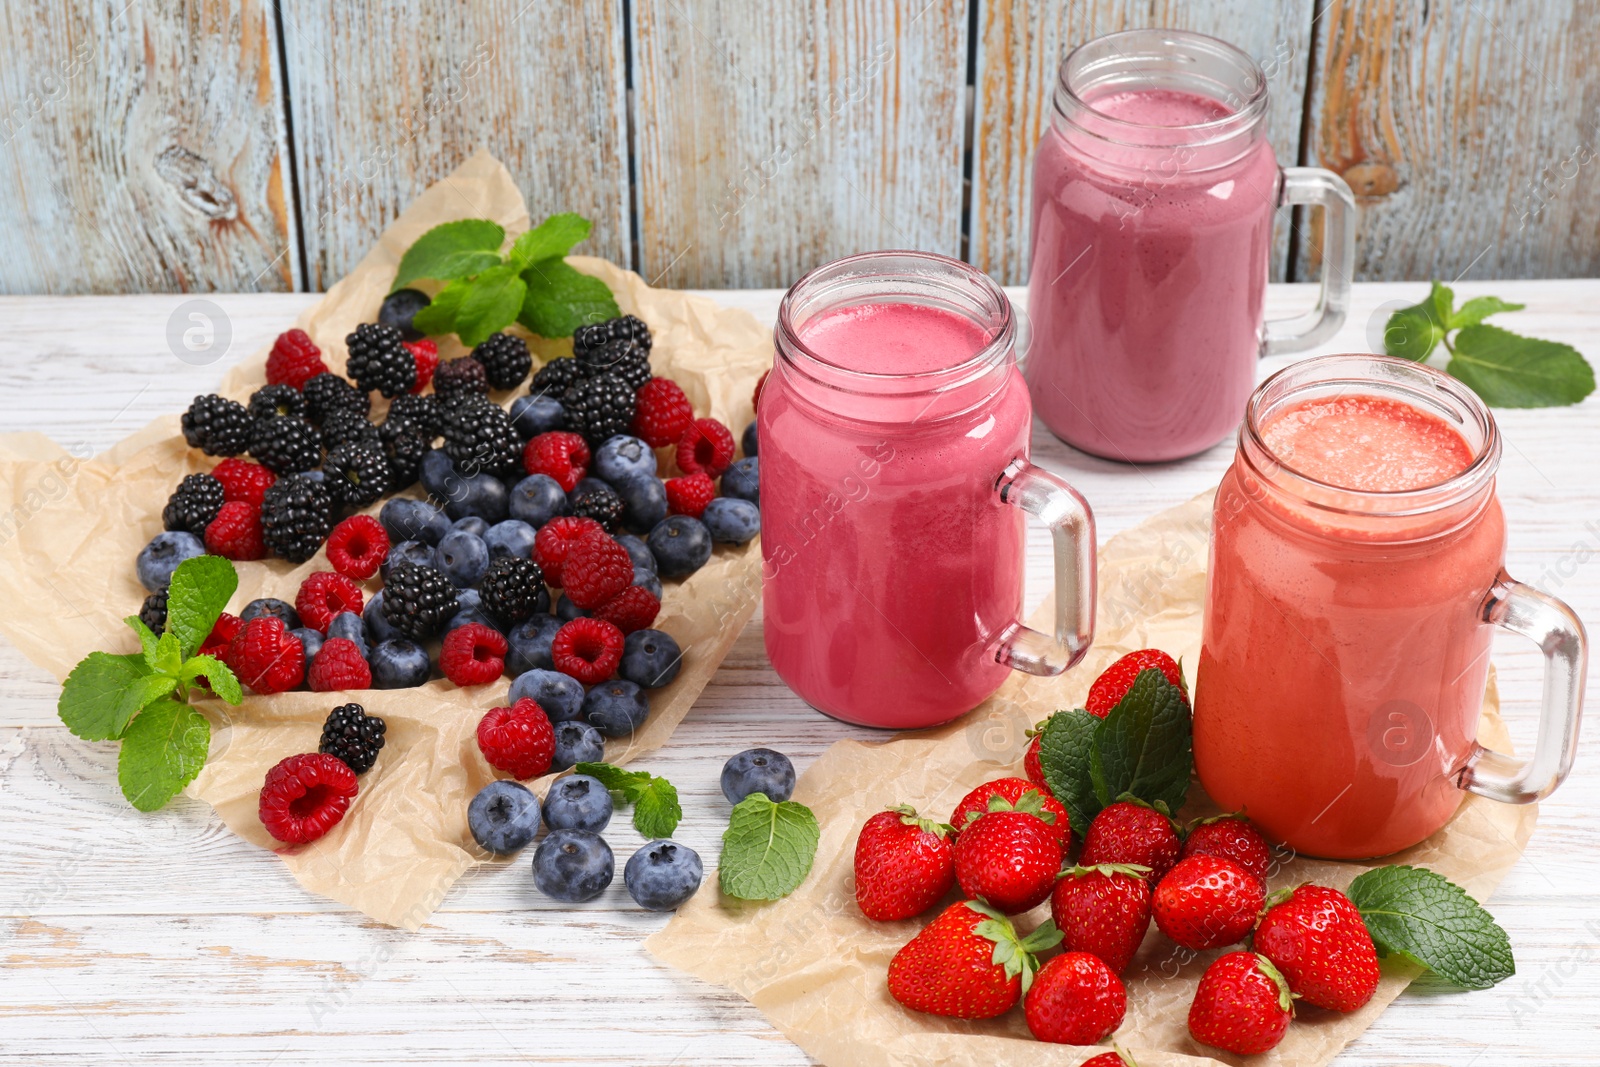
[1045, 496]
[1524, 610]
[1313, 185]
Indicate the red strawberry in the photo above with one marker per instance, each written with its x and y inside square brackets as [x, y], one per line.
[1131, 831]
[1030, 759]
[1233, 837]
[1115, 681]
[1242, 1006]
[1019, 794]
[1207, 902]
[1104, 911]
[1075, 1000]
[1008, 858]
[904, 864]
[1317, 939]
[1109, 1059]
[969, 963]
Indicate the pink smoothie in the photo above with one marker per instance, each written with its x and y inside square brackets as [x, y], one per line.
[890, 564]
[1148, 278]
[1344, 660]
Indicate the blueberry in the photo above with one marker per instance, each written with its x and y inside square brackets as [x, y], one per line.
[438, 475]
[644, 503]
[748, 440]
[560, 695]
[650, 658]
[616, 708]
[405, 519]
[379, 628]
[529, 643]
[400, 307]
[417, 552]
[534, 415]
[351, 627]
[743, 480]
[273, 607]
[503, 817]
[681, 545]
[638, 551]
[480, 495]
[577, 802]
[310, 642]
[566, 610]
[462, 556]
[622, 459]
[647, 581]
[513, 537]
[732, 520]
[475, 525]
[573, 866]
[577, 742]
[537, 499]
[662, 875]
[758, 770]
[399, 664]
[161, 557]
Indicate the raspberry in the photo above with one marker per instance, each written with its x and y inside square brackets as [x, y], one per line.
[555, 541]
[518, 740]
[353, 736]
[295, 359]
[473, 654]
[426, 354]
[358, 546]
[587, 649]
[266, 656]
[242, 480]
[755, 397]
[705, 447]
[690, 494]
[563, 456]
[663, 413]
[338, 665]
[236, 532]
[222, 634]
[323, 595]
[305, 796]
[596, 569]
[635, 608]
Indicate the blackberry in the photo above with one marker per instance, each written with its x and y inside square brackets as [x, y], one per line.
[358, 472]
[622, 357]
[400, 308]
[420, 414]
[327, 393]
[505, 360]
[379, 359]
[599, 502]
[270, 401]
[479, 437]
[464, 375]
[598, 408]
[153, 612]
[343, 427]
[193, 505]
[285, 445]
[405, 451]
[556, 377]
[510, 588]
[418, 601]
[217, 426]
[353, 736]
[624, 328]
[296, 515]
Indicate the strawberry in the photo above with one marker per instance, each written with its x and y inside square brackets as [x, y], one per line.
[1109, 1059]
[969, 963]
[1104, 911]
[1131, 831]
[1075, 1000]
[1317, 939]
[1008, 858]
[1232, 837]
[1115, 681]
[904, 864]
[1019, 794]
[1242, 1006]
[1207, 902]
[1030, 759]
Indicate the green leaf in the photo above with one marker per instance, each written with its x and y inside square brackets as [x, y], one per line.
[1430, 920]
[147, 639]
[218, 675]
[141, 693]
[656, 812]
[1479, 308]
[199, 591]
[431, 252]
[490, 305]
[163, 750]
[460, 265]
[768, 848]
[560, 299]
[1511, 371]
[1414, 332]
[439, 317]
[168, 659]
[552, 238]
[1143, 747]
[91, 697]
[1066, 749]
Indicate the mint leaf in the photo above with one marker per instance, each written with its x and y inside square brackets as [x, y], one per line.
[490, 304]
[439, 317]
[656, 811]
[1066, 748]
[612, 777]
[1479, 308]
[553, 237]
[147, 639]
[560, 299]
[1143, 747]
[218, 675]
[91, 698]
[199, 591]
[1430, 920]
[1511, 371]
[429, 253]
[768, 848]
[1414, 332]
[140, 694]
[460, 265]
[163, 750]
[168, 658]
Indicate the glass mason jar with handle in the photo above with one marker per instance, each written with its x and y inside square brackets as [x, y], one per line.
[1154, 190]
[895, 483]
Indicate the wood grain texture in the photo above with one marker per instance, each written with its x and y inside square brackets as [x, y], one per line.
[1020, 47]
[771, 138]
[142, 148]
[388, 98]
[1469, 130]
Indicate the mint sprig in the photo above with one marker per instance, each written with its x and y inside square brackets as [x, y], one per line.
[656, 811]
[768, 848]
[141, 699]
[1423, 916]
[1506, 369]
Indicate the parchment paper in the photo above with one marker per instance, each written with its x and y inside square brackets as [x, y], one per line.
[76, 524]
[817, 968]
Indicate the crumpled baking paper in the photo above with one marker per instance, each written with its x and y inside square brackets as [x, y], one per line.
[817, 968]
[71, 526]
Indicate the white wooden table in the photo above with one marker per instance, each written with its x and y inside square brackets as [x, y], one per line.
[131, 938]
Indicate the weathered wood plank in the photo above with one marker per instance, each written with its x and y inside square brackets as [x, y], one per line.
[1021, 44]
[388, 98]
[1466, 129]
[774, 137]
[142, 147]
